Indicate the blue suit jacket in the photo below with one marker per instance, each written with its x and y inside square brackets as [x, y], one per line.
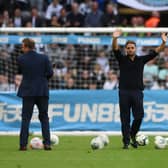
[36, 70]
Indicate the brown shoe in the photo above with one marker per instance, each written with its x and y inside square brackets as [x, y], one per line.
[23, 148]
[47, 147]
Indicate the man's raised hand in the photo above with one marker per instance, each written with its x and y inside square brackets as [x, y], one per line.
[117, 33]
[164, 37]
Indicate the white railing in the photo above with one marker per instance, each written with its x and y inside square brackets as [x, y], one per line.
[83, 30]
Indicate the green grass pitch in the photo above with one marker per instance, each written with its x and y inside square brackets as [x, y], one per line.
[75, 152]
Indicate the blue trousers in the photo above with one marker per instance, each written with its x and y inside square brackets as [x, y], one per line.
[131, 103]
[27, 111]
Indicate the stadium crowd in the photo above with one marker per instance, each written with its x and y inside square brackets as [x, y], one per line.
[69, 13]
[76, 66]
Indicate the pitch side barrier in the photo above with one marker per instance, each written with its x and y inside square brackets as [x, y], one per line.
[80, 39]
[85, 112]
[102, 36]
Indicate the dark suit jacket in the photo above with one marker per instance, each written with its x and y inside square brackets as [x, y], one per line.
[39, 22]
[36, 70]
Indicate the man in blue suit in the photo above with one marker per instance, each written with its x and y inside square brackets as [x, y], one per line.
[36, 70]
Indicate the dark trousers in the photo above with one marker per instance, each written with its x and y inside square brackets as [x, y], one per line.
[27, 111]
[130, 101]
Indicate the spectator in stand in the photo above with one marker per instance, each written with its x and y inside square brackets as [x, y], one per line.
[163, 58]
[55, 53]
[85, 7]
[140, 21]
[83, 80]
[150, 74]
[92, 85]
[28, 24]
[163, 72]
[53, 8]
[111, 82]
[5, 19]
[18, 20]
[85, 63]
[62, 20]
[103, 61]
[85, 50]
[113, 63]
[6, 73]
[35, 19]
[4, 85]
[137, 21]
[60, 69]
[13, 65]
[94, 18]
[54, 21]
[85, 57]
[4, 62]
[162, 76]
[110, 19]
[70, 84]
[98, 76]
[133, 21]
[74, 18]
[151, 68]
[154, 20]
[69, 56]
[17, 81]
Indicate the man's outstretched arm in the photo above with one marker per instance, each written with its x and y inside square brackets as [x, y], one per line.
[117, 33]
[162, 46]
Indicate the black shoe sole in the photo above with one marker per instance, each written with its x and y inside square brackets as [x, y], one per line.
[125, 147]
[134, 145]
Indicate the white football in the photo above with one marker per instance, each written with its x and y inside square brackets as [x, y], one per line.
[158, 137]
[97, 143]
[160, 142]
[166, 140]
[36, 143]
[105, 139]
[142, 139]
[54, 139]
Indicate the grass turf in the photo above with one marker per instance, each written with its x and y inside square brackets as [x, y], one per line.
[75, 152]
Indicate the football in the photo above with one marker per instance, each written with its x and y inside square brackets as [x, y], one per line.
[105, 139]
[158, 137]
[97, 143]
[54, 139]
[142, 139]
[36, 143]
[166, 140]
[160, 142]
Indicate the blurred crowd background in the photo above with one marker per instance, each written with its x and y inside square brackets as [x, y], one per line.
[79, 66]
[75, 13]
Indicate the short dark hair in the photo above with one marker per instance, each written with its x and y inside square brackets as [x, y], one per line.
[29, 43]
[130, 42]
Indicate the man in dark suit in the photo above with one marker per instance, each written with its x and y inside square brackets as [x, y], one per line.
[36, 70]
[35, 19]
